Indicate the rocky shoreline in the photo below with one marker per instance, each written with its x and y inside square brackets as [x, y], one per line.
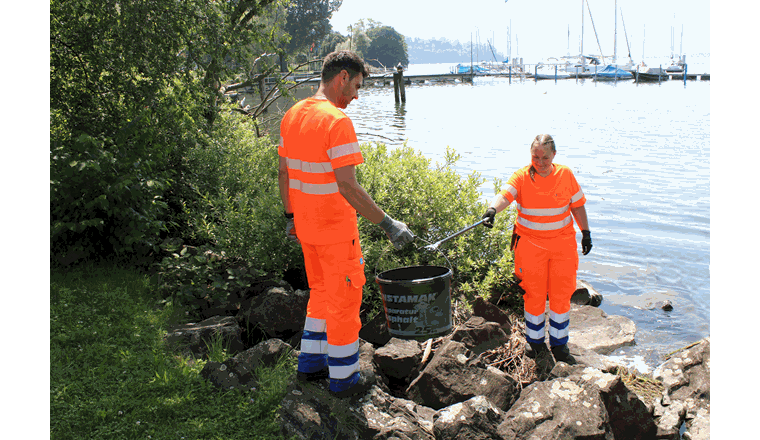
[474, 383]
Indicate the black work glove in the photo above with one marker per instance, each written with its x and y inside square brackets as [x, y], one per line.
[490, 217]
[586, 242]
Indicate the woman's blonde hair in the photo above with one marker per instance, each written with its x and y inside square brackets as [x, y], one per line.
[541, 140]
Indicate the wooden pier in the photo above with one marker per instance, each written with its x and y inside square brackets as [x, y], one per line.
[520, 72]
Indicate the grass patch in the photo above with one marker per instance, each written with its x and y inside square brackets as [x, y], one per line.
[112, 378]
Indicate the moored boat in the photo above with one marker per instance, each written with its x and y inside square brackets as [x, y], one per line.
[652, 74]
[612, 73]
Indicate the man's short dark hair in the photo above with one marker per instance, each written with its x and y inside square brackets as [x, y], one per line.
[343, 60]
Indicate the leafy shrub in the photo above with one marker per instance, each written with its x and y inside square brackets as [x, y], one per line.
[239, 210]
[434, 202]
[104, 199]
[199, 278]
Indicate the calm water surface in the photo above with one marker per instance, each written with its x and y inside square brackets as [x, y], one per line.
[641, 153]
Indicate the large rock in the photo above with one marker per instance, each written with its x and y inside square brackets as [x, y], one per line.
[195, 338]
[238, 372]
[686, 377]
[479, 336]
[492, 313]
[629, 416]
[376, 330]
[310, 412]
[585, 295]
[474, 419]
[590, 358]
[558, 409]
[594, 330]
[456, 374]
[399, 358]
[278, 311]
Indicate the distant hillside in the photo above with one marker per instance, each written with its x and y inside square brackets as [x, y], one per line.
[446, 51]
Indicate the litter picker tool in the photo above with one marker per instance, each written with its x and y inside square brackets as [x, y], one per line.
[434, 246]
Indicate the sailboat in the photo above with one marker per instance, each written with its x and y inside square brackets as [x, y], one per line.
[585, 66]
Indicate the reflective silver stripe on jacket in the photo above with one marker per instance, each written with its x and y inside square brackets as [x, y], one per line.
[545, 226]
[314, 188]
[542, 212]
[310, 167]
[343, 150]
[577, 196]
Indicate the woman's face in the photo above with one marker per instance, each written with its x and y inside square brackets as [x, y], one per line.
[541, 156]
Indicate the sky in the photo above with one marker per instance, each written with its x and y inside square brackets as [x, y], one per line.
[540, 27]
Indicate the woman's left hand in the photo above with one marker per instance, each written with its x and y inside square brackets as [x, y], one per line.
[586, 242]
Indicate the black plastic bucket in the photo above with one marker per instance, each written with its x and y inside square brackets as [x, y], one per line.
[417, 301]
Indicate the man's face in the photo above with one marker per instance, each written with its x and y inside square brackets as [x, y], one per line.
[350, 89]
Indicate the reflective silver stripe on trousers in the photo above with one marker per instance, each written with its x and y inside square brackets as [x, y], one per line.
[536, 320]
[559, 318]
[342, 351]
[315, 325]
[313, 346]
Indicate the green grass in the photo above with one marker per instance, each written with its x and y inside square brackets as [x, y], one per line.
[112, 378]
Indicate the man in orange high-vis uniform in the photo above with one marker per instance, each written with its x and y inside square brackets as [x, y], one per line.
[546, 258]
[317, 177]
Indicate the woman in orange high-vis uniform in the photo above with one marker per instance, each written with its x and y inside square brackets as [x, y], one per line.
[546, 258]
[317, 178]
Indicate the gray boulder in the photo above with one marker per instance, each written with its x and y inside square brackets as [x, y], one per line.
[585, 295]
[376, 330]
[278, 311]
[629, 416]
[456, 374]
[399, 358]
[686, 377]
[594, 330]
[238, 372]
[558, 409]
[310, 412]
[491, 313]
[195, 338]
[478, 335]
[473, 419]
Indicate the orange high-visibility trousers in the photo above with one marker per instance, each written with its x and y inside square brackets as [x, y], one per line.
[547, 267]
[331, 332]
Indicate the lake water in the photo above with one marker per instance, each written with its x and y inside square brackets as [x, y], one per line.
[641, 153]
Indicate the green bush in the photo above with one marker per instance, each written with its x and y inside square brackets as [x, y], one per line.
[240, 217]
[104, 199]
[434, 202]
[239, 210]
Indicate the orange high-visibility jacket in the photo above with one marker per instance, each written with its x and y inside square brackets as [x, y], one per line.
[316, 138]
[543, 204]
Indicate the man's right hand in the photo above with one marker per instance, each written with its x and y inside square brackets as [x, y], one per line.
[398, 233]
[489, 217]
[290, 229]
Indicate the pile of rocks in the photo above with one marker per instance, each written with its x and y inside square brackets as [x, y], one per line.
[452, 392]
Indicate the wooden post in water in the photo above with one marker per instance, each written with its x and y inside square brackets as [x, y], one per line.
[555, 73]
[398, 84]
[510, 74]
[535, 72]
[659, 76]
[685, 69]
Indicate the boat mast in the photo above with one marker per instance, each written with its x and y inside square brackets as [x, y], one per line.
[583, 14]
[626, 36]
[614, 51]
